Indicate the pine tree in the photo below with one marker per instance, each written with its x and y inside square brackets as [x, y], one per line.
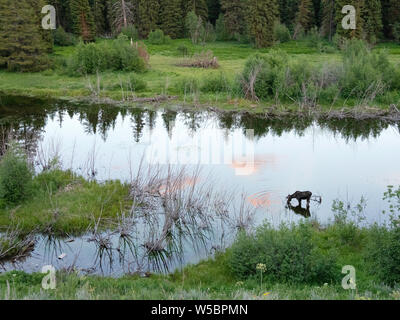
[198, 6]
[82, 18]
[287, 12]
[235, 14]
[262, 15]
[171, 15]
[372, 17]
[391, 17]
[22, 46]
[349, 33]
[63, 14]
[214, 9]
[99, 9]
[328, 22]
[304, 17]
[148, 16]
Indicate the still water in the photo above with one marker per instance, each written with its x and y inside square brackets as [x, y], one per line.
[261, 158]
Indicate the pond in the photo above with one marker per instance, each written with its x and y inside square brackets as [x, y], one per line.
[261, 159]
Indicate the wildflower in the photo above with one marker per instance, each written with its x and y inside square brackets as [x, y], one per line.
[261, 267]
[267, 293]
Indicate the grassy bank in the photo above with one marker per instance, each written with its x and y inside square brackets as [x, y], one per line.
[66, 204]
[191, 86]
[215, 279]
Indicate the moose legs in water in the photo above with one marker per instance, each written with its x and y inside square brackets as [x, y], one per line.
[300, 196]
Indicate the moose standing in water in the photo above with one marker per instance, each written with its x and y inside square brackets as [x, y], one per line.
[300, 196]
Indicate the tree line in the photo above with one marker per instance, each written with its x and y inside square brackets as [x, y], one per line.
[244, 20]
[376, 19]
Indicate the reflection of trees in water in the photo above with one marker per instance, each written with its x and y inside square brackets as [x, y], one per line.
[169, 117]
[26, 118]
[138, 123]
[350, 129]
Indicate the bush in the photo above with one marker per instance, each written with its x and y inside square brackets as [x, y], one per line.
[15, 177]
[268, 71]
[136, 83]
[64, 39]
[158, 37]
[365, 71]
[115, 55]
[216, 83]
[281, 32]
[189, 85]
[288, 253]
[130, 32]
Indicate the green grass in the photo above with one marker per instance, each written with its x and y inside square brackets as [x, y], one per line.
[66, 204]
[164, 75]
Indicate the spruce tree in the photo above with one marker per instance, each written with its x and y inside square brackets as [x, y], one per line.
[287, 12]
[99, 9]
[214, 9]
[22, 45]
[328, 22]
[147, 16]
[235, 15]
[171, 18]
[391, 17]
[198, 6]
[349, 33]
[262, 15]
[82, 18]
[304, 17]
[372, 17]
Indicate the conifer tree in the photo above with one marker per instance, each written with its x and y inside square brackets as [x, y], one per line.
[235, 15]
[147, 16]
[214, 9]
[372, 18]
[262, 15]
[328, 22]
[83, 20]
[304, 16]
[349, 33]
[99, 8]
[171, 21]
[198, 6]
[287, 12]
[22, 45]
[391, 17]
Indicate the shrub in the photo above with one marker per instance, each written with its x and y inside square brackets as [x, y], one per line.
[216, 83]
[288, 253]
[130, 32]
[158, 37]
[365, 70]
[189, 85]
[136, 83]
[267, 72]
[115, 55]
[64, 39]
[281, 32]
[15, 177]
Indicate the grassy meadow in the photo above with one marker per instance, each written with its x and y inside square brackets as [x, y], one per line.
[165, 76]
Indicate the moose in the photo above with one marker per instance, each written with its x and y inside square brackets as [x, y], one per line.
[300, 196]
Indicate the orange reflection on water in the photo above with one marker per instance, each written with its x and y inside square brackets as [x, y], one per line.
[247, 168]
[262, 199]
[181, 184]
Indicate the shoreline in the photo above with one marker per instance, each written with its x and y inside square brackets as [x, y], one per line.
[175, 103]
